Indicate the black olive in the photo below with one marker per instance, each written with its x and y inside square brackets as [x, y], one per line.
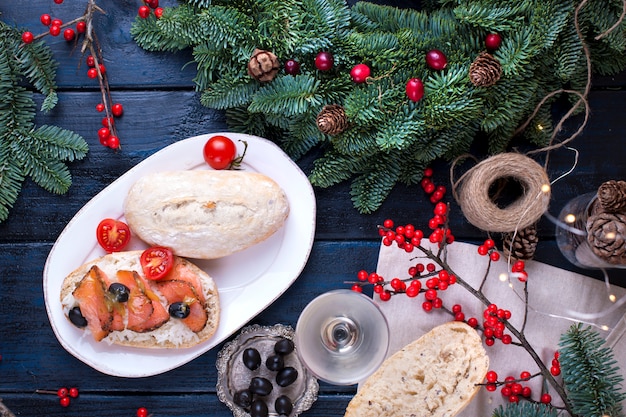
[261, 386]
[243, 398]
[275, 363]
[179, 310]
[283, 405]
[259, 409]
[76, 317]
[120, 292]
[251, 358]
[286, 376]
[283, 347]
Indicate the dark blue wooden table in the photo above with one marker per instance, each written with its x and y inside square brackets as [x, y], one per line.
[161, 108]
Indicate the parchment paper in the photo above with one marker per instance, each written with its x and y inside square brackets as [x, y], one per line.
[556, 297]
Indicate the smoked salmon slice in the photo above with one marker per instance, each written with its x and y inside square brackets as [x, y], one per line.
[145, 312]
[180, 272]
[94, 305]
[176, 291]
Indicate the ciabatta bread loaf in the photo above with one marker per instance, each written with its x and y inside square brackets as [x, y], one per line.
[143, 320]
[205, 214]
[434, 376]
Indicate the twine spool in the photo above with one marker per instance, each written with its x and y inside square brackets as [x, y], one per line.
[472, 192]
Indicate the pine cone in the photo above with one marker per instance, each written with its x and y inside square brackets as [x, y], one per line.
[332, 120]
[612, 196]
[523, 245]
[263, 66]
[606, 234]
[485, 71]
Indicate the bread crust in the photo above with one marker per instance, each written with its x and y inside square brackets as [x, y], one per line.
[205, 214]
[158, 338]
[434, 376]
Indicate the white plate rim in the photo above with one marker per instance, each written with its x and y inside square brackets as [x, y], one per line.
[263, 156]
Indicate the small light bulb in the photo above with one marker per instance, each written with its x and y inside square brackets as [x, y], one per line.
[504, 277]
[545, 188]
[612, 298]
[570, 218]
[539, 127]
[610, 235]
[604, 327]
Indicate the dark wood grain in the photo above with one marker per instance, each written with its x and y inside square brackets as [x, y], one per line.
[162, 108]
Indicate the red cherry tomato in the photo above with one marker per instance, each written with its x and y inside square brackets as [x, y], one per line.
[219, 152]
[113, 235]
[156, 262]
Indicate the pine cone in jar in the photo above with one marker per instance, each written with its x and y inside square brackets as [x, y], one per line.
[606, 234]
[612, 196]
[332, 120]
[521, 245]
[263, 66]
[485, 71]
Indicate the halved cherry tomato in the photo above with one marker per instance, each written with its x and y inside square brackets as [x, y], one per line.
[156, 262]
[113, 235]
[219, 152]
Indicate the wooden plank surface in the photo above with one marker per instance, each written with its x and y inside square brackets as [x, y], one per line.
[161, 108]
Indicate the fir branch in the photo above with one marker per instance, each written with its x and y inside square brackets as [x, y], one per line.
[590, 373]
[525, 409]
[370, 189]
[287, 96]
[229, 92]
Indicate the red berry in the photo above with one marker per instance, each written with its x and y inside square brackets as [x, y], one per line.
[495, 256]
[142, 412]
[90, 61]
[57, 22]
[64, 401]
[436, 59]
[108, 121]
[144, 12]
[546, 398]
[359, 73]
[62, 392]
[489, 341]
[388, 223]
[58, 1]
[69, 34]
[324, 61]
[102, 68]
[491, 376]
[158, 12]
[397, 284]
[460, 316]
[73, 392]
[430, 267]
[385, 296]
[493, 41]
[489, 243]
[104, 133]
[117, 110]
[427, 306]
[55, 30]
[506, 339]
[113, 142]
[27, 37]
[412, 291]
[292, 67]
[430, 295]
[415, 91]
[99, 107]
[526, 392]
[428, 172]
[555, 370]
[45, 19]
[472, 322]
[491, 387]
[362, 275]
[357, 288]
[482, 250]
[518, 266]
[441, 209]
[152, 3]
[92, 73]
[81, 26]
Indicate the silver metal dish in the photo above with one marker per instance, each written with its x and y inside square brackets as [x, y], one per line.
[233, 375]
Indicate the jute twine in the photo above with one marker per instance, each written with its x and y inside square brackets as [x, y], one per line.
[472, 192]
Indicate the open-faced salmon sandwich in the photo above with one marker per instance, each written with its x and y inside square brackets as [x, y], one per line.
[148, 298]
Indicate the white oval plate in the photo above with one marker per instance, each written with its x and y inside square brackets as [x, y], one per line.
[248, 281]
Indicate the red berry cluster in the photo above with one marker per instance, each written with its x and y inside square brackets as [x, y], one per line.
[519, 270]
[555, 369]
[65, 395]
[55, 26]
[146, 9]
[514, 389]
[494, 320]
[489, 248]
[106, 133]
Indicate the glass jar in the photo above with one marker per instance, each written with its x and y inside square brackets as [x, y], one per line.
[571, 233]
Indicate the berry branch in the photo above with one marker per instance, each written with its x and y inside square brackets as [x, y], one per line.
[438, 275]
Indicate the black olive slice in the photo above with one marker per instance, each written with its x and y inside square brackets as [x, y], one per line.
[77, 318]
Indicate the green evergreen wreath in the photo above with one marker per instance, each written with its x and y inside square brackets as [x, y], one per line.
[388, 137]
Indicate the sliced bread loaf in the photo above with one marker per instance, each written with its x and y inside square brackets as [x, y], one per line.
[434, 376]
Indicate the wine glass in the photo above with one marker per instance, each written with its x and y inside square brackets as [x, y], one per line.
[342, 337]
